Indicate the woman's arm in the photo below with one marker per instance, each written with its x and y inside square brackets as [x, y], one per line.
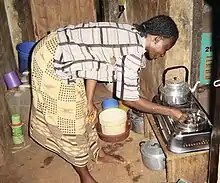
[90, 90]
[147, 106]
[91, 109]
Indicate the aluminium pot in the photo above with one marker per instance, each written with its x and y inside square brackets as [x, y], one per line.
[152, 155]
[174, 92]
[137, 119]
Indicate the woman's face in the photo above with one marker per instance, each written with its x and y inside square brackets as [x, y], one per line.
[158, 46]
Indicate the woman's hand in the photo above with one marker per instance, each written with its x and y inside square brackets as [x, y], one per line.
[91, 113]
[177, 115]
[91, 109]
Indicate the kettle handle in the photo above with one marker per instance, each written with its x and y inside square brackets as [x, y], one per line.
[172, 68]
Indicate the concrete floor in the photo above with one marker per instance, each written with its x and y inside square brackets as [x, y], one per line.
[37, 165]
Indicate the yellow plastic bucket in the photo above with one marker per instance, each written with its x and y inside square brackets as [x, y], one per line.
[113, 121]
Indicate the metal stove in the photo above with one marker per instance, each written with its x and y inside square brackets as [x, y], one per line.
[191, 135]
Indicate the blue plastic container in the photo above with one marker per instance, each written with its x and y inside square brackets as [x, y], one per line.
[109, 103]
[24, 50]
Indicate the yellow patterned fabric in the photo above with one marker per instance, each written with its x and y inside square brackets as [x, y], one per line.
[58, 114]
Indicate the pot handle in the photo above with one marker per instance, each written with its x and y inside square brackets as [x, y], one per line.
[172, 68]
[141, 143]
[156, 145]
[153, 145]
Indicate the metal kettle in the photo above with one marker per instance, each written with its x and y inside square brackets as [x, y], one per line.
[175, 92]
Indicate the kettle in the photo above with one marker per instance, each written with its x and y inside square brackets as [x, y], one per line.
[175, 92]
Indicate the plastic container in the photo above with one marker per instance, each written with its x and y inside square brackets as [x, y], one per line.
[18, 102]
[113, 121]
[24, 49]
[109, 103]
[11, 80]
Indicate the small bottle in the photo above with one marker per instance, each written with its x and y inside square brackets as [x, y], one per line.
[17, 130]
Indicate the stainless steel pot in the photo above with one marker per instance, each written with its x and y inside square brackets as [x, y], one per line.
[174, 92]
[152, 155]
[137, 119]
[196, 121]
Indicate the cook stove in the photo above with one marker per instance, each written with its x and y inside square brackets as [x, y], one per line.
[190, 135]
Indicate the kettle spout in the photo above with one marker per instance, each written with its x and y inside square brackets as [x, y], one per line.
[194, 87]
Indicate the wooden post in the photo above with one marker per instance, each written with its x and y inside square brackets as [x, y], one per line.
[215, 95]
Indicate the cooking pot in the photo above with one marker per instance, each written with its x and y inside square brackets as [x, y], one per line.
[174, 91]
[137, 119]
[196, 121]
[152, 155]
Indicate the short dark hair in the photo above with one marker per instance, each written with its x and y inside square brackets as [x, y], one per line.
[161, 25]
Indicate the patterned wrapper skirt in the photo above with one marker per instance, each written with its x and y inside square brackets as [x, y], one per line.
[58, 110]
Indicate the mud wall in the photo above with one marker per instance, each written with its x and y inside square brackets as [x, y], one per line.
[48, 15]
[7, 63]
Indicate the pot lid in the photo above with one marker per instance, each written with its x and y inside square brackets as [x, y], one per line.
[151, 148]
[136, 113]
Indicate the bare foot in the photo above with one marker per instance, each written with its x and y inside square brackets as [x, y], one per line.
[85, 176]
[110, 158]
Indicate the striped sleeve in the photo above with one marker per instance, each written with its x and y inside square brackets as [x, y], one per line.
[127, 77]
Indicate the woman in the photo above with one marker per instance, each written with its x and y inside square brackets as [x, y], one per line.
[62, 109]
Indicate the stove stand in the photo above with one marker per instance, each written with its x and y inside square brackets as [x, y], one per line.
[186, 137]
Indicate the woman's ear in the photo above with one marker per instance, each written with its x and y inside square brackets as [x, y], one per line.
[157, 39]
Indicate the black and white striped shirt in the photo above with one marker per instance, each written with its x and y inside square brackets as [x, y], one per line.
[104, 51]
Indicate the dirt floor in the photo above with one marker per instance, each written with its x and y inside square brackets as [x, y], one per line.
[37, 165]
